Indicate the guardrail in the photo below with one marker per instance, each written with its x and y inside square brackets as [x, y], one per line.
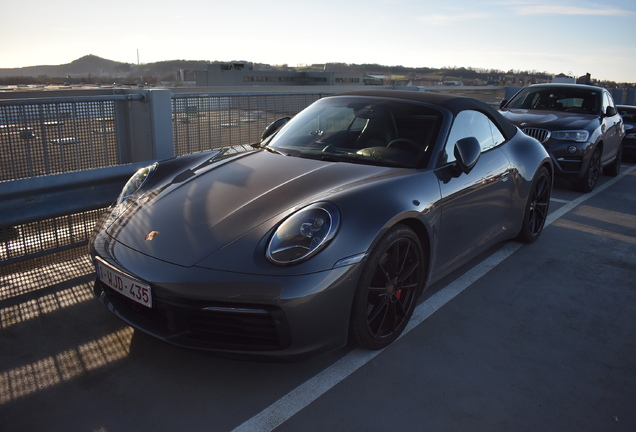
[52, 135]
[203, 121]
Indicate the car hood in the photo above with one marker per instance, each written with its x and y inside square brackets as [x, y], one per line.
[211, 209]
[550, 120]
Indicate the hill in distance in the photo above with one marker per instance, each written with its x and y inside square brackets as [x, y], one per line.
[89, 64]
[92, 68]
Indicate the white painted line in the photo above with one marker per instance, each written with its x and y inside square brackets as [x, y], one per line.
[572, 204]
[299, 398]
[562, 201]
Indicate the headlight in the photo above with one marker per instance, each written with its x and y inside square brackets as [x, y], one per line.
[577, 135]
[135, 182]
[304, 234]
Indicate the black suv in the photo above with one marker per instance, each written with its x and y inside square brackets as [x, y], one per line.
[628, 112]
[578, 124]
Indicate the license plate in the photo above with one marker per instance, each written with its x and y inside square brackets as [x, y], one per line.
[123, 284]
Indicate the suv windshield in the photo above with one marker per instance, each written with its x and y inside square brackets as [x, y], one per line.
[362, 130]
[575, 100]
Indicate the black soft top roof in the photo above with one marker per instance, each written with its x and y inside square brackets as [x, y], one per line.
[452, 103]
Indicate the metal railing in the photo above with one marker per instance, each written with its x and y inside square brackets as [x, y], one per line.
[47, 136]
[203, 121]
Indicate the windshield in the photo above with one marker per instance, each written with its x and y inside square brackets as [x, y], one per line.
[575, 100]
[628, 114]
[361, 130]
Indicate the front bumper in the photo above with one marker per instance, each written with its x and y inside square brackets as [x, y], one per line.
[238, 314]
[570, 158]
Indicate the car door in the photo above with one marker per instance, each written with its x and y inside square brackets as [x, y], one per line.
[476, 207]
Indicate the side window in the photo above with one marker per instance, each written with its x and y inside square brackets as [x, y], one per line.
[497, 136]
[607, 101]
[471, 123]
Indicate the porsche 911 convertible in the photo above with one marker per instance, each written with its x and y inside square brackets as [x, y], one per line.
[326, 232]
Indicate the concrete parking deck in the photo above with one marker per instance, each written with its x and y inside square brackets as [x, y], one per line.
[527, 338]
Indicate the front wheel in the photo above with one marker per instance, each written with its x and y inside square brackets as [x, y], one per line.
[588, 181]
[536, 211]
[388, 289]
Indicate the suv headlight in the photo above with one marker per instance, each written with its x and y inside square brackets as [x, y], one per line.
[135, 182]
[304, 234]
[575, 135]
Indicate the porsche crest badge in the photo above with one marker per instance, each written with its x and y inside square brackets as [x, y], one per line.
[151, 235]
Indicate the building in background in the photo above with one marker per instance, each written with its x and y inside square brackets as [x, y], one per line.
[243, 74]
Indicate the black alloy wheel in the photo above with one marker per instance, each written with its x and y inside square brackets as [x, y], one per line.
[614, 168]
[388, 289]
[588, 182]
[537, 207]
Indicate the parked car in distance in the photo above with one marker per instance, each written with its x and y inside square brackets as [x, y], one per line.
[628, 112]
[579, 126]
[326, 232]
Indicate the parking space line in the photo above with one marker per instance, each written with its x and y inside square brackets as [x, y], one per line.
[561, 201]
[572, 204]
[303, 395]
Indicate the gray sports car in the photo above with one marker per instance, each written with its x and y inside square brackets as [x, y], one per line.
[327, 232]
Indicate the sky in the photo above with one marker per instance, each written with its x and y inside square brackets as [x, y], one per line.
[553, 36]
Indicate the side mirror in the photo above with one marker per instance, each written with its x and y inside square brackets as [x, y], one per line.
[467, 151]
[273, 127]
[610, 111]
[502, 103]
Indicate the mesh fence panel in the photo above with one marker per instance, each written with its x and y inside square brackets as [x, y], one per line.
[43, 243]
[203, 122]
[53, 138]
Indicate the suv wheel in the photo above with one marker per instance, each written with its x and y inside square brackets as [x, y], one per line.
[613, 168]
[589, 179]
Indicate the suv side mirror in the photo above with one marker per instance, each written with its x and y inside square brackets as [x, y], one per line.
[610, 111]
[502, 103]
[467, 151]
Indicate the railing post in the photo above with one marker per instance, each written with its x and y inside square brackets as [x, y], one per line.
[144, 127]
[631, 97]
[617, 95]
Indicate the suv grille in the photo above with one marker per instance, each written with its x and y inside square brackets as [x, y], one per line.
[541, 135]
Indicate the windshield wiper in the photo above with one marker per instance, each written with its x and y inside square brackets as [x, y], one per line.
[331, 157]
[269, 149]
[273, 150]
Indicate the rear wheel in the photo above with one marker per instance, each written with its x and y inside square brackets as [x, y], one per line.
[614, 168]
[388, 289]
[536, 211]
[588, 181]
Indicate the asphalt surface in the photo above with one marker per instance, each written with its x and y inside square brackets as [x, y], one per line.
[537, 337]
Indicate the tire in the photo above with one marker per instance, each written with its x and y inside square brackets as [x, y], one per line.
[388, 289]
[536, 211]
[614, 168]
[588, 181]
